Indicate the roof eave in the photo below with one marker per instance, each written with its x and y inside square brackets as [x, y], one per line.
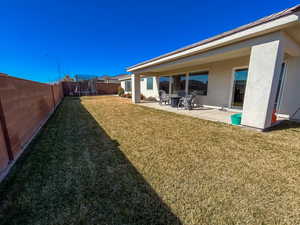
[253, 31]
[127, 78]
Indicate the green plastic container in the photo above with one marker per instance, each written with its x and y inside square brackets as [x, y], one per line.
[236, 119]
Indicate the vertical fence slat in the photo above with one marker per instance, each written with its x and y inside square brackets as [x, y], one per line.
[5, 133]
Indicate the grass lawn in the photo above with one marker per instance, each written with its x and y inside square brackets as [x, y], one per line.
[102, 160]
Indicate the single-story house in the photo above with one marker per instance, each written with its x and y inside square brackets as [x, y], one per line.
[254, 69]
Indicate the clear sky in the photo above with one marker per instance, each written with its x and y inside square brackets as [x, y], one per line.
[104, 37]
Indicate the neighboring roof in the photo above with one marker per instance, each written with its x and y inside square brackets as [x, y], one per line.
[272, 17]
[124, 77]
[116, 77]
[104, 77]
[121, 76]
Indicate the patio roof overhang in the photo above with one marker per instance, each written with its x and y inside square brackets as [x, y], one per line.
[233, 44]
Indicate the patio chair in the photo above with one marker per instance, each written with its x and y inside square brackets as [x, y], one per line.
[187, 102]
[163, 97]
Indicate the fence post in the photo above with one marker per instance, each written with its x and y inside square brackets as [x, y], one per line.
[5, 133]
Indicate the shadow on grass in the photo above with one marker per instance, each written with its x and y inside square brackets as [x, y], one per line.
[286, 125]
[74, 173]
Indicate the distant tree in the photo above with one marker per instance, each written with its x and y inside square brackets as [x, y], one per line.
[68, 78]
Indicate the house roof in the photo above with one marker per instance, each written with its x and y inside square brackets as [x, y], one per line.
[115, 77]
[104, 77]
[121, 76]
[124, 77]
[266, 19]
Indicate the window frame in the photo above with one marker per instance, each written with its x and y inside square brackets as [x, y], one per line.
[235, 70]
[151, 84]
[198, 73]
[243, 67]
[281, 85]
[126, 86]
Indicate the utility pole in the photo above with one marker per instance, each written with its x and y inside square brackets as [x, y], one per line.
[58, 65]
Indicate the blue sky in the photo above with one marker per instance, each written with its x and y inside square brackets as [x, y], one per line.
[105, 37]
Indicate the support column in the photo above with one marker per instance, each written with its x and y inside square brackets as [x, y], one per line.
[262, 83]
[136, 88]
[157, 87]
[187, 83]
[170, 84]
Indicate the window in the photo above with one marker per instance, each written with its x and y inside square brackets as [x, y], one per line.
[150, 83]
[128, 85]
[178, 84]
[198, 82]
[239, 87]
[164, 84]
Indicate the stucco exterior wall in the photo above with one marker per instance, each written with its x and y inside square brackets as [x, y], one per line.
[263, 79]
[150, 93]
[220, 82]
[144, 91]
[290, 100]
[123, 84]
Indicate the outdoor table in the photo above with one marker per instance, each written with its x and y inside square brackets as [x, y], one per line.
[174, 100]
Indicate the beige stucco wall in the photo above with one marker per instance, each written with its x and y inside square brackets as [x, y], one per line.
[290, 100]
[220, 81]
[150, 93]
[144, 91]
[123, 84]
[263, 76]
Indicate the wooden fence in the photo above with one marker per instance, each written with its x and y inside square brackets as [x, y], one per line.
[101, 88]
[24, 107]
[107, 88]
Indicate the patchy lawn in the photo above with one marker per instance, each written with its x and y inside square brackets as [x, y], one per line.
[102, 160]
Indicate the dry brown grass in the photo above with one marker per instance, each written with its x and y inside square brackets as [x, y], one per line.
[103, 160]
[206, 172]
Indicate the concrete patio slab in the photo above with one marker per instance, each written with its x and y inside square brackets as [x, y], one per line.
[204, 113]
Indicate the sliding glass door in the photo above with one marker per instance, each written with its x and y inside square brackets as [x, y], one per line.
[172, 84]
[239, 87]
[178, 84]
[280, 86]
[164, 84]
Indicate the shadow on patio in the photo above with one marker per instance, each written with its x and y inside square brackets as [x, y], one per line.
[74, 173]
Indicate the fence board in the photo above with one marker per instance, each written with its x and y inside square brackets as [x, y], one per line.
[107, 88]
[3, 151]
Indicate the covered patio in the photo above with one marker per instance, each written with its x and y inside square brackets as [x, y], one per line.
[244, 70]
